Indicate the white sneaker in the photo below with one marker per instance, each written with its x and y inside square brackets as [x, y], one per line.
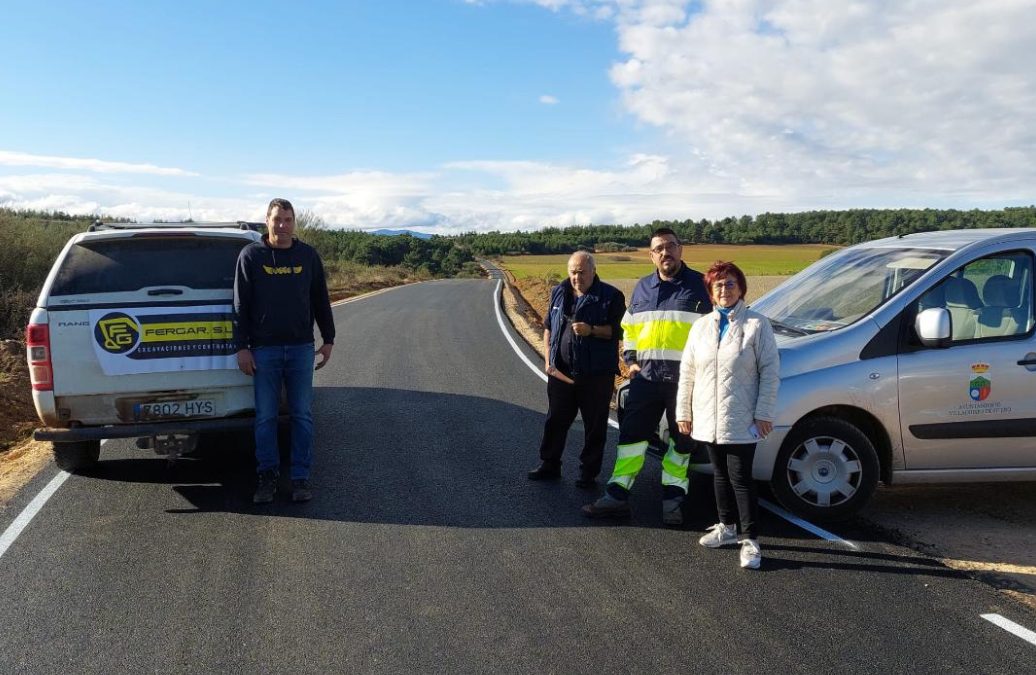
[751, 556]
[719, 535]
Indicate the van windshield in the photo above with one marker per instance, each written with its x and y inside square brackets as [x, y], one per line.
[132, 263]
[843, 287]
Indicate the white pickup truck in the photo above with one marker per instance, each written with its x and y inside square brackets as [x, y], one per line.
[132, 337]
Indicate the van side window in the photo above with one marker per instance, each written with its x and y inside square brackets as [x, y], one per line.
[987, 298]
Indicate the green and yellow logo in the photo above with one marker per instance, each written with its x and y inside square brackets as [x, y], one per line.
[297, 269]
[117, 333]
[178, 331]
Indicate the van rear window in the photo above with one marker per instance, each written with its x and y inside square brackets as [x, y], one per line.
[119, 265]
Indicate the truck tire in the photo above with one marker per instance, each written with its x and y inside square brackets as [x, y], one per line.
[77, 455]
[826, 470]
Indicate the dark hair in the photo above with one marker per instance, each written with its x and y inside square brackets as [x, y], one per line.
[720, 269]
[282, 204]
[663, 231]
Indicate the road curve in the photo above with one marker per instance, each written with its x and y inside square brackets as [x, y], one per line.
[426, 549]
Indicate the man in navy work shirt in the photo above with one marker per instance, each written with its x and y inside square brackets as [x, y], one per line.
[279, 291]
[655, 328]
[581, 359]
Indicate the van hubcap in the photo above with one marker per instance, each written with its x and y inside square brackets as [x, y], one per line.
[824, 471]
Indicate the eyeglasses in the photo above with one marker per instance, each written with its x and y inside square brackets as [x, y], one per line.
[728, 284]
[668, 246]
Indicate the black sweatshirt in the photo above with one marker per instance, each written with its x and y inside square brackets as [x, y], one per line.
[278, 293]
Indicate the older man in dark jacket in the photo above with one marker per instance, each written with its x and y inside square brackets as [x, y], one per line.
[580, 353]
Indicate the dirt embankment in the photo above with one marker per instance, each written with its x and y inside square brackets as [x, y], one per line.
[17, 414]
[20, 456]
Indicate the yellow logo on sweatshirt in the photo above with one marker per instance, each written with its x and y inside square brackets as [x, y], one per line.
[282, 270]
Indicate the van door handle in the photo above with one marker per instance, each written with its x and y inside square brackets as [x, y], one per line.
[165, 291]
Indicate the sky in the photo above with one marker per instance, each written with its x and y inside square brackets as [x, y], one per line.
[452, 116]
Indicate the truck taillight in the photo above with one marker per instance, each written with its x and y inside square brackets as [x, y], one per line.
[37, 345]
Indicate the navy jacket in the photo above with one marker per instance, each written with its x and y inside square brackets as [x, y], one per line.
[278, 294]
[602, 304]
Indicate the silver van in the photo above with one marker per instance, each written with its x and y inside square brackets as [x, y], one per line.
[910, 359]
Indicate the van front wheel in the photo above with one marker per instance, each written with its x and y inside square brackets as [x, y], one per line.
[827, 470]
[77, 455]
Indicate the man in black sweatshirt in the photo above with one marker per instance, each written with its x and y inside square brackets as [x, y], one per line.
[279, 290]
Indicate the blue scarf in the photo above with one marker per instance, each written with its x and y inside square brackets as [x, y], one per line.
[724, 320]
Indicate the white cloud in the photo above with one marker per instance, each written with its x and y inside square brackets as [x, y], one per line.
[78, 194]
[9, 158]
[376, 183]
[907, 102]
[834, 104]
[762, 105]
[533, 195]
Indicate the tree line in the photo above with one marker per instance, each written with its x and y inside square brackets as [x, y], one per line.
[33, 239]
[811, 227]
[437, 256]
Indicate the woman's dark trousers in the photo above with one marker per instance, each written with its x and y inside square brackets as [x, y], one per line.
[735, 489]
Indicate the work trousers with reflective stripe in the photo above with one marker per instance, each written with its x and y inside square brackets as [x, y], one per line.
[646, 402]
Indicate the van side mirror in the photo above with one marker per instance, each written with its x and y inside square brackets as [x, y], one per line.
[934, 327]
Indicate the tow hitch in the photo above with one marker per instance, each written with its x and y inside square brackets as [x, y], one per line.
[170, 445]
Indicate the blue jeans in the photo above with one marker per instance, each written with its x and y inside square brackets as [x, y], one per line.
[291, 365]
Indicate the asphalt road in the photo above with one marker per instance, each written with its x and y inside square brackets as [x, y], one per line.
[426, 549]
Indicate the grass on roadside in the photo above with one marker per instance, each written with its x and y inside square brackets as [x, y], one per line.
[346, 279]
[754, 260]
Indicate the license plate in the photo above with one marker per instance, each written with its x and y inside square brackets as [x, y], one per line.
[175, 409]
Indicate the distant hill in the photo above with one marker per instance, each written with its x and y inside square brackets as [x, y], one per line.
[393, 233]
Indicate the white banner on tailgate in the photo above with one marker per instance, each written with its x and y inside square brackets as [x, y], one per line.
[164, 339]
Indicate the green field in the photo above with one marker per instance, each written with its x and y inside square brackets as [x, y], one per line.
[754, 260]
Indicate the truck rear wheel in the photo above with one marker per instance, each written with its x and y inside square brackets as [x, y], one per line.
[77, 455]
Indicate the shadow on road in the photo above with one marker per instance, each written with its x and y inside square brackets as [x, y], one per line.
[443, 460]
[837, 558]
[437, 460]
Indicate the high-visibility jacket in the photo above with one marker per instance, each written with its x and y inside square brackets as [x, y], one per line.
[658, 320]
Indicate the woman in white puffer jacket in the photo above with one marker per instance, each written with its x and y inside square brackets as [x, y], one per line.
[729, 375]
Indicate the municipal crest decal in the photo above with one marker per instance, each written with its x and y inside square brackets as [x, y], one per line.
[980, 386]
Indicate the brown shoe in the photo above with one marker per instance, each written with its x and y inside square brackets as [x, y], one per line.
[607, 507]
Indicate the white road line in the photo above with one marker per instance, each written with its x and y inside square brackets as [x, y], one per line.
[806, 525]
[773, 508]
[30, 511]
[346, 301]
[1011, 627]
[497, 292]
[507, 334]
